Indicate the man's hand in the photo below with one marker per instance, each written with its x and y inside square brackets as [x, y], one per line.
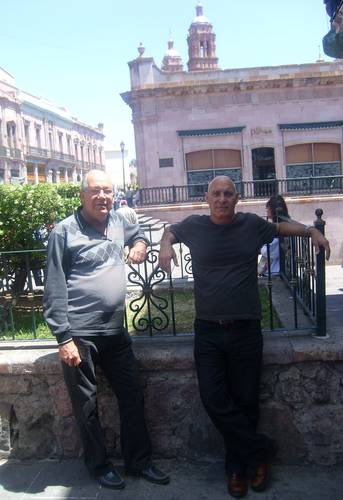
[296, 229]
[69, 353]
[318, 241]
[137, 253]
[167, 254]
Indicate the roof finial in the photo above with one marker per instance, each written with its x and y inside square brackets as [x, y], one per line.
[141, 49]
[198, 9]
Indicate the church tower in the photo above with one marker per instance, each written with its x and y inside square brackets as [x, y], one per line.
[201, 43]
[172, 60]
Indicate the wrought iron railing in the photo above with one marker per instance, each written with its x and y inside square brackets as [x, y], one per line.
[247, 189]
[157, 304]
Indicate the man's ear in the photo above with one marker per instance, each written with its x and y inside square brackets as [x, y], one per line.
[206, 196]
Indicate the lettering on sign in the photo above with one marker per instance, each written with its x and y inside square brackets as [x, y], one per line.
[260, 130]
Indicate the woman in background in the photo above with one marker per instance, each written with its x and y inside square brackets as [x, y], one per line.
[276, 207]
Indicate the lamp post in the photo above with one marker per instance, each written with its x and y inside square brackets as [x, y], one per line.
[122, 149]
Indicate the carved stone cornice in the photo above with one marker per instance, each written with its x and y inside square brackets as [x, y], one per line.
[195, 88]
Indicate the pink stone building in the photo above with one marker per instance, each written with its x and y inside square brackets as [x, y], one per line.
[260, 123]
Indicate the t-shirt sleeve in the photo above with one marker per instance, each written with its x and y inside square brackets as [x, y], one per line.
[267, 230]
[181, 230]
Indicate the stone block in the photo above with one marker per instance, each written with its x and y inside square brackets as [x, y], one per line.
[5, 429]
[15, 385]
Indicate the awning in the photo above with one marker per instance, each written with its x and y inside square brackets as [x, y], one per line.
[309, 125]
[209, 131]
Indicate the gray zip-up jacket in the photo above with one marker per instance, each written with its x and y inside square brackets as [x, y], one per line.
[85, 286]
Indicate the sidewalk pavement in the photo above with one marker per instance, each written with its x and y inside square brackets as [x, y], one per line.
[334, 297]
[68, 479]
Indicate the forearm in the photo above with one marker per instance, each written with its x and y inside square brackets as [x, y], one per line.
[55, 300]
[296, 229]
[167, 253]
[168, 238]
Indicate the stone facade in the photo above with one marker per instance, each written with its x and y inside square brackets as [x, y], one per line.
[302, 402]
[42, 142]
[250, 123]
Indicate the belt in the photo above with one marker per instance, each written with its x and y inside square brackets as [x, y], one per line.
[223, 322]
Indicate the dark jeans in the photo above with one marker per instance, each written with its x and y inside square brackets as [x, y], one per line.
[115, 357]
[228, 361]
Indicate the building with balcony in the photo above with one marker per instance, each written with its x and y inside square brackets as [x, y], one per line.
[42, 142]
[253, 124]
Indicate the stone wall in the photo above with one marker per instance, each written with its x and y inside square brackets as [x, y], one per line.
[301, 401]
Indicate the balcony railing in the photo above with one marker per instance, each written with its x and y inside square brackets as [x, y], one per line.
[37, 152]
[152, 295]
[62, 156]
[247, 189]
[14, 153]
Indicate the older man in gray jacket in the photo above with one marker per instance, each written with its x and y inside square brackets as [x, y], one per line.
[84, 301]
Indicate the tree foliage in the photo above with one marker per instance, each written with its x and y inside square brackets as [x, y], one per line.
[28, 212]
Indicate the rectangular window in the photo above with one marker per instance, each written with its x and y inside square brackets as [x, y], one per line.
[166, 162]
[38, 138]
[69, 144]
[27, 133]
[60, 141]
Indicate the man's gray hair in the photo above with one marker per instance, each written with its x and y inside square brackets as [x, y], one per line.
[84, 182]
[222, 178]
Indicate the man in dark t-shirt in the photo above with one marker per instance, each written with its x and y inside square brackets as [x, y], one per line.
[228, 342]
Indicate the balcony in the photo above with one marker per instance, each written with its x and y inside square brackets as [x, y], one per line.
[36, 152]
[57, 155]
[12, 153]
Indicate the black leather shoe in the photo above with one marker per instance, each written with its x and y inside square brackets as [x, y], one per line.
[112, 480]
[151, 474]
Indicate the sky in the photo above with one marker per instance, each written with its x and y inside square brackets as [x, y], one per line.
[75, 52]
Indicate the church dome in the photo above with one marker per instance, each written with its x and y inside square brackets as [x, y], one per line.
[172, 60]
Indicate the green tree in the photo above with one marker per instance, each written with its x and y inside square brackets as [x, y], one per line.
[27, 209]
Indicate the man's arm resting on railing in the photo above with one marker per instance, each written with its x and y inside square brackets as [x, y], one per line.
[296, 229]
[167, 253]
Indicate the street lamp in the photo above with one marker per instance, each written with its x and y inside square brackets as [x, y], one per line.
[122, 149]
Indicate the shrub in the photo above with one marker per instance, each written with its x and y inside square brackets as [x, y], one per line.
[28, 212]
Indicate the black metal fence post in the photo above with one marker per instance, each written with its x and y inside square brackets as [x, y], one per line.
[320, 282]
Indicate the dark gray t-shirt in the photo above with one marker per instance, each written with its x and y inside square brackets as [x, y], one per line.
[224, 261]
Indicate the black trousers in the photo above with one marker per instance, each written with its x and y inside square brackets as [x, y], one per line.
[114, 355]
[229, 361]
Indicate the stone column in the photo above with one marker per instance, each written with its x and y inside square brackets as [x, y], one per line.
[74, 174]
[7, 173]
[35, 174]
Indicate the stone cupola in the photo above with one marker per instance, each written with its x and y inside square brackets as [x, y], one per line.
[172, 60]
[201, 43]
